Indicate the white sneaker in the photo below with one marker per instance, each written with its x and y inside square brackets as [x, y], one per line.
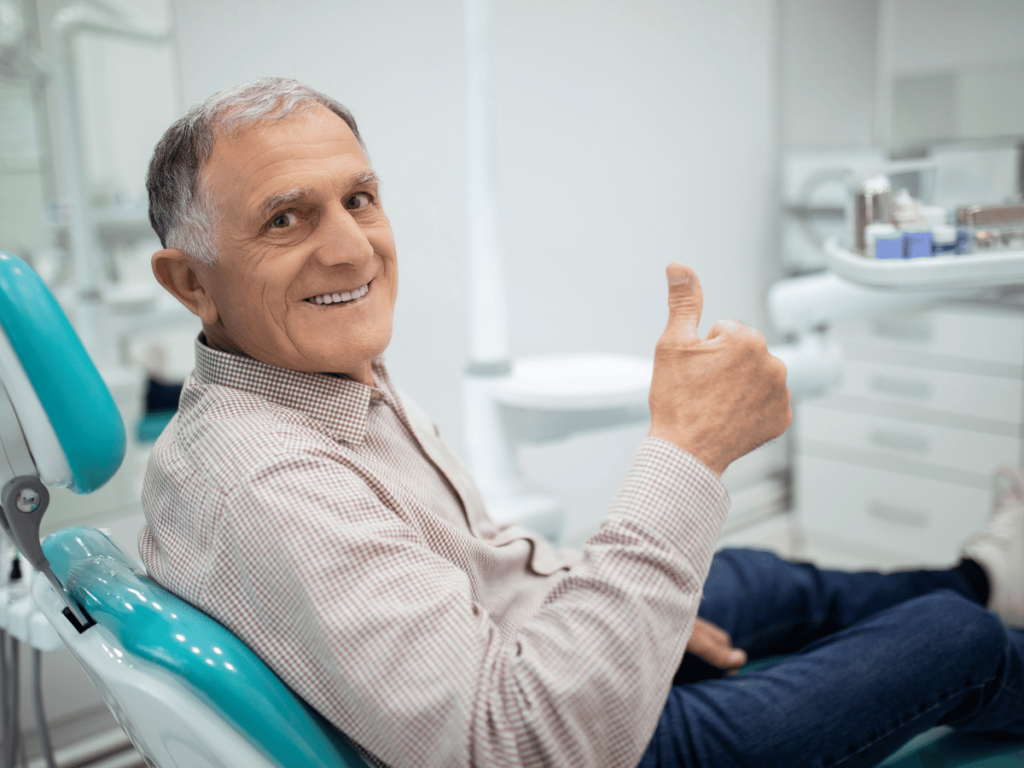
[999, 548]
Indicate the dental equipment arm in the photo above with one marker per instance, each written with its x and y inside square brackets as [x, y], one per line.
[802, 305]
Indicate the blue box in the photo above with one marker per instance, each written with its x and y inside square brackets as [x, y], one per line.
[909, 245]
[889, 248]
[917, 245]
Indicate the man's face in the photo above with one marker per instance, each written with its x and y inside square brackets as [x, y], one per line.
[299, 225]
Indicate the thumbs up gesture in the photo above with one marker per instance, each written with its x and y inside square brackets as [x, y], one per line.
[719, 397]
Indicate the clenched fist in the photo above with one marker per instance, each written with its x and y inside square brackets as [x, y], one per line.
[718, 398]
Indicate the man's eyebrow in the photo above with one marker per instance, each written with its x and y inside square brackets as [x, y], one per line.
[282, 198]
[275, 201]
[366, 177]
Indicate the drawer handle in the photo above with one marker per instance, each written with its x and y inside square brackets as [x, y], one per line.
[916, 329]
[900, 441]
[891, 385]
[913, 518]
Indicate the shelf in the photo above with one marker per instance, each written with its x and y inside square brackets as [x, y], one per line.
[926, 274]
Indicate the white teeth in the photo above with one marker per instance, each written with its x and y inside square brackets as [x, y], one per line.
[337, 298]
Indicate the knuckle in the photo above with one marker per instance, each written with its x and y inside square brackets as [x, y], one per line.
[779, 370]
[725, 328]
[750, 338]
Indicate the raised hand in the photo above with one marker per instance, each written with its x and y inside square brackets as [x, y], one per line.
[718, 398]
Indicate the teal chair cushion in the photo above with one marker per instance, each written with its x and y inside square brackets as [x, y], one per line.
[77, 402]
[157, 626]
[949, 749]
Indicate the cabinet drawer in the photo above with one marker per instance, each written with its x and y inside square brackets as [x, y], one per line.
[925, 521]
[983, 332]
[986, 397]
[959, 449]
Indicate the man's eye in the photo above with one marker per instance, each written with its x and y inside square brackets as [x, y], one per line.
[360, 200]
[282, 220]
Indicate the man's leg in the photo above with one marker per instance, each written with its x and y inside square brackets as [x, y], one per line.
[772, 606]
[855, 696]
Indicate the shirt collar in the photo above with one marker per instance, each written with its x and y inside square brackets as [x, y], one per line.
[338, 406]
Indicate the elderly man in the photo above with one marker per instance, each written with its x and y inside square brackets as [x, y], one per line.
[300, 499]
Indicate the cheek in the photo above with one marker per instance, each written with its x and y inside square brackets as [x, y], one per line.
[391, 274]
[266, 292]
[248, 311]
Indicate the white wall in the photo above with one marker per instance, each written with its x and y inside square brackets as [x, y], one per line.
[828, 71]
[944, 35]
[629, 135]
[839, 61]
[958, 69]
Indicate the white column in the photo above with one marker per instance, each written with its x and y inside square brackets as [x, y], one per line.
[488, 322]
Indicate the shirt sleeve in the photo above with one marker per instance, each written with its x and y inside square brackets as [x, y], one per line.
[381, 635]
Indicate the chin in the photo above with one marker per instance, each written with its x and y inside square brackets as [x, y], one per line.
[352, 364]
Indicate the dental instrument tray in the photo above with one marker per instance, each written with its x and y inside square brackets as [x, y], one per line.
[976, 270]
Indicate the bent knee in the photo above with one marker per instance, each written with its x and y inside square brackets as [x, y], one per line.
[962, 621]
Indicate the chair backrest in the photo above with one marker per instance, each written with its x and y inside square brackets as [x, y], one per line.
[186, 690]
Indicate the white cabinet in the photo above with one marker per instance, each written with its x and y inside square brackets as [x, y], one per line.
[895, 464]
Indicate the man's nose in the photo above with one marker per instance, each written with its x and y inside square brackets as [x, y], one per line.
[342, 240]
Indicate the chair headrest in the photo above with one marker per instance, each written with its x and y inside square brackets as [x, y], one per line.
[69, 420]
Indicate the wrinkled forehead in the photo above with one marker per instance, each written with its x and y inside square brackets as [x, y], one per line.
[245, 153]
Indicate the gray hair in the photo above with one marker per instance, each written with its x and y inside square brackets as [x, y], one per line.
[180, 208]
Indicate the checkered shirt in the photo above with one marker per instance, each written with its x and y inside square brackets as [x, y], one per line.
[327, 524]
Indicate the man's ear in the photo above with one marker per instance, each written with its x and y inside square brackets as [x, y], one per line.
[178, 273]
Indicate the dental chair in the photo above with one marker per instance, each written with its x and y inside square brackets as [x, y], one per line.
[187, 692]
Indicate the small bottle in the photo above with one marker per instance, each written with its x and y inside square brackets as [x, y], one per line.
[906, 211]
[945, 240]
[872, 203]
[932, 216]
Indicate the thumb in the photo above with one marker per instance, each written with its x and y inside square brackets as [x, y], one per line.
[685, 301]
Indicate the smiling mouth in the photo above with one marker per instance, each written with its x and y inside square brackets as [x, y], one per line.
[345, 297]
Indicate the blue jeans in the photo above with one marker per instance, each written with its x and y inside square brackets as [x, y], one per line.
[877, 659]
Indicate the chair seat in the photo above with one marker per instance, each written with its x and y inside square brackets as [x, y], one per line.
[949, 749]
[186, 690]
